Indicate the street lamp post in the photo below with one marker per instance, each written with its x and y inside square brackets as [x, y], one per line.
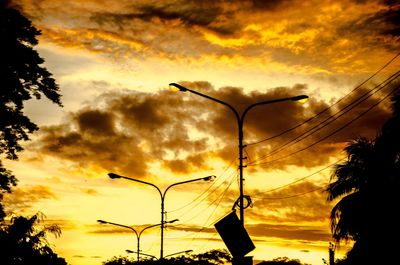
[169, 255]
[162, 195]
[240, 121]
[134, 230]
[180, 252]
[144, 254]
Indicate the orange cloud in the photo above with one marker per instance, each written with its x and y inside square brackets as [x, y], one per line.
[22, 199]
[324, 37]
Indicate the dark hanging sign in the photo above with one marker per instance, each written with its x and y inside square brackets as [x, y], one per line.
[234, 235]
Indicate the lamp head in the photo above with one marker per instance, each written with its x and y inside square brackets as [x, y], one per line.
[301, 98]
[173, 221]
[209, 178]
[129, 251]
[101, 221]
[114, 176]
[177, 87]
[188, 251]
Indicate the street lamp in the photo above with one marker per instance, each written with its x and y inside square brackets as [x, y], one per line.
[180, 252]
[162, 195]
[136, 233]
[240, 121]
[144, 254]
[169, 255]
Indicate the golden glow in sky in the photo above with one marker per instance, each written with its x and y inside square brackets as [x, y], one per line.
[114, 60]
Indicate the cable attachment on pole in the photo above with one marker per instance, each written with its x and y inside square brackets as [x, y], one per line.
[246, 205]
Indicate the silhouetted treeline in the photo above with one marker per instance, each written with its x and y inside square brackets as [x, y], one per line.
[22, 77]
[282, 261]
[213, 257]
[22, 239]
[23, 242]
[367, 187]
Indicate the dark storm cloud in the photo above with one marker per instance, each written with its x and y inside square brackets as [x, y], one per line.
[205, 14]
[129, 133]
[269, 5]
[95, 122]
[385, 21]
[379, 27]
[133, 130]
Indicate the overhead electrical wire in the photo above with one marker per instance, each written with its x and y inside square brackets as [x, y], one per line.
[329, 107]
[205, 191]
[205, 225]
[330, 134]
[293, 196]
[332, 118]
[300, 179]
[211, 203]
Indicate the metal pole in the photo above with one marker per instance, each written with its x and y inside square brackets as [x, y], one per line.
[162, 195]
[240, 121]
[162, 226]
[138, 248]
[241, 189]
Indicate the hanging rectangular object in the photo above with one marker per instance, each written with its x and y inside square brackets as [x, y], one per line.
[234, 235]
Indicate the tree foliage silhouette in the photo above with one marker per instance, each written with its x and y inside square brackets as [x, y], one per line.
[367, 187]
[212, 257]
[23, 242]
[282, 261]
[21, 78]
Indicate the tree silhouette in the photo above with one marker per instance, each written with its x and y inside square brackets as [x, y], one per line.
[212, 257]
[282, 261]
[22, 242]
[367, 186]
[21, 78]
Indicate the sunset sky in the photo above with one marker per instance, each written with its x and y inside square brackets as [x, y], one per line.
[113, 61]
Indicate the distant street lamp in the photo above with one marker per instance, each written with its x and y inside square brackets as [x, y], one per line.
[162, 195]
[136, 233]
[180, 252]
[144, 254]
[173, 254]
[240, 121]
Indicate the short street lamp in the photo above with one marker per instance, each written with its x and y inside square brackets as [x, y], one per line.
[136, 233]
[240, 121]
[180, 252]
[144, 254]
[169, 255]
[162, 195]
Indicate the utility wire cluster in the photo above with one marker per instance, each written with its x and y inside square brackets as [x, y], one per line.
[321, 120]
[390, 83]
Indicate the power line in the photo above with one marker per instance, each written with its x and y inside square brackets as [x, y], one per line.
[209, 205]
[205, 191]
[327, 108]
[332, 118]
[220, 197]
[332, 133]
[300, 179]
[292, 196]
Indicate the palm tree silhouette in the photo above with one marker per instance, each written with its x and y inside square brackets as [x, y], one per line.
[367, 187]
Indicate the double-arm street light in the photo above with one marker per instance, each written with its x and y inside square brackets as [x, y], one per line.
[240, 121]
[162, 195]
[136, 233]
